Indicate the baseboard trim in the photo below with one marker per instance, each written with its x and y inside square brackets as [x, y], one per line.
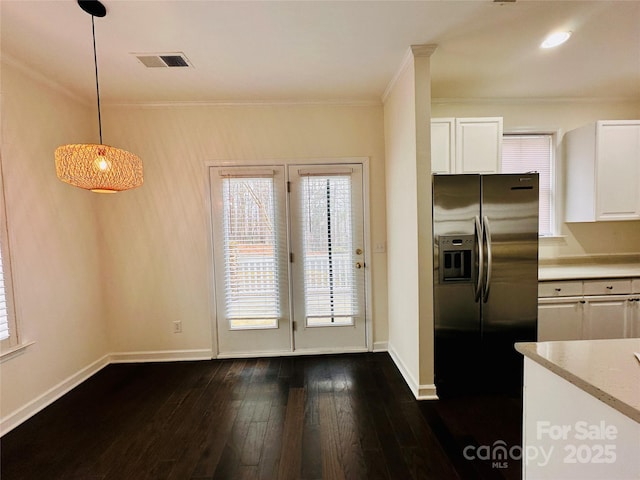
[380, 346]
[427, 392]
[161, 356]
[421, 392]
[404, 371]
[288, 353]
[27, 411]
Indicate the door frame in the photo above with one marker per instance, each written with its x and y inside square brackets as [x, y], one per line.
[364, 161]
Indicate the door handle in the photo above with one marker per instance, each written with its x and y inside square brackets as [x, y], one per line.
[480, 258]
[487, 239]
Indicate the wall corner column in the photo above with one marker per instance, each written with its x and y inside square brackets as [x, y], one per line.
[422, 62]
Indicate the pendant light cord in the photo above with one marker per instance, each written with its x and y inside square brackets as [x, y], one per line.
[95, 62]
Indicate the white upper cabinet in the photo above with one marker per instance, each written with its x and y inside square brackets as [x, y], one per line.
[603, 171]
[466, 145]
[478, 145]
[443, 145]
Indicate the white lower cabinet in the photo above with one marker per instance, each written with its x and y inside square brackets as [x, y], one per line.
[588, 314]
[560, 319]
[606, 317]
[633, 316]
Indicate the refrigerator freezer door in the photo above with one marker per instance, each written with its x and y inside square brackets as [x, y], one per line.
[456, 205]
[509, 309]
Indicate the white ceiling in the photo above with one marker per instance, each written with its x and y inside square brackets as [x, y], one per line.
[316, 51]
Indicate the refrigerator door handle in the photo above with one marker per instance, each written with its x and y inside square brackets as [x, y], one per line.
[487, 239]
[479, 244]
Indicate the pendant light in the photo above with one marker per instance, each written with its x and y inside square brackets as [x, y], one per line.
[99, 168]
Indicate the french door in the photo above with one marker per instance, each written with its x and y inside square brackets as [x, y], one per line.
[327, 242]
[289, 263]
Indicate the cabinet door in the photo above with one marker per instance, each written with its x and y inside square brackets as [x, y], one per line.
[442, 145]
[560, 319]
[606, 317]
[633, 312]
[618, 167]
[478, 145]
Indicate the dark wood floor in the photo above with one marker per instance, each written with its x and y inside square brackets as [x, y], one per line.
[326, 417]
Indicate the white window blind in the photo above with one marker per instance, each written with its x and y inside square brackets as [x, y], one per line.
[330, 289]
[251, 249]
[4, 311]
[8, 326]
[532, 153]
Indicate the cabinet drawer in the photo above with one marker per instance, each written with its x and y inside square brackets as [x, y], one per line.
[635, 285]
[607, 287]
[560, 289]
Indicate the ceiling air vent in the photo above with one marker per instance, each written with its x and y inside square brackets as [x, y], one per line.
[163, 60]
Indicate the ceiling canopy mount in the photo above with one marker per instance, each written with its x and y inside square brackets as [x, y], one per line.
[93, 7]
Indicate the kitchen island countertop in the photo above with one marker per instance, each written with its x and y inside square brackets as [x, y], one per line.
[606, 369]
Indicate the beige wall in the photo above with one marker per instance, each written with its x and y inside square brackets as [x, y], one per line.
[156, 239]
[402, 224]
[54, 242]
[578, 239]
[409, 221]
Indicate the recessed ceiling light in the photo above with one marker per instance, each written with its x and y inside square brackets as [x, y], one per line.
[555, 39]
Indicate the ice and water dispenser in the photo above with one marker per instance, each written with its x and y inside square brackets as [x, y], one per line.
[456, 257]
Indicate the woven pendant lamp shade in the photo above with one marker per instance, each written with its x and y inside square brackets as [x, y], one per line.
[99, 168]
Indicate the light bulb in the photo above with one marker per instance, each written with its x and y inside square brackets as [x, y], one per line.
[102, 163]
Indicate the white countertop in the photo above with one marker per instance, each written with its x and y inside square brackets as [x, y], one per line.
[588, 271]
[605, 369]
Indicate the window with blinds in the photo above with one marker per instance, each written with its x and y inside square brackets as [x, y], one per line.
[8, 326]
[251, 262]
[533, 153]
[4, 311]
[330, 292]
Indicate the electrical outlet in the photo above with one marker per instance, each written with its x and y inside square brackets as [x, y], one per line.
[177, 326]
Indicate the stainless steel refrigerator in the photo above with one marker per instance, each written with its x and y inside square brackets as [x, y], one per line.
[485, 231]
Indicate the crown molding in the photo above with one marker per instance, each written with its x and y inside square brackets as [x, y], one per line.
[251, 103]
[412, 52]
[423, 50]
[528, 100]
[406, 60]
[38, 77]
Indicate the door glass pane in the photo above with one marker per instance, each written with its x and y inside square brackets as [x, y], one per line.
[250, 253]
[330, 292]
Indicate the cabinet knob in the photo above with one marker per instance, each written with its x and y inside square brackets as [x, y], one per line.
[558, 289]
